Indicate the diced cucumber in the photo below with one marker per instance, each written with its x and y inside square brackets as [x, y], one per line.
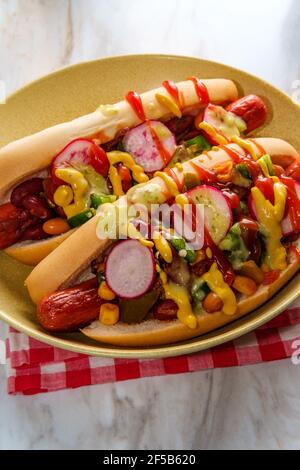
[198, 144]
[82, 218]
[98, 199]
[181, 246]
[199, 290]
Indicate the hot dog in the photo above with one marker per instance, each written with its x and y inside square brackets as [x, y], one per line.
[169, 291]
[87, 150]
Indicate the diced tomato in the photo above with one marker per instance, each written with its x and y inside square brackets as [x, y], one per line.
[294, 170]
[293, 201]
[266, 186]
[270, 277]
[296, 252]
[125, 176]
[233, 199]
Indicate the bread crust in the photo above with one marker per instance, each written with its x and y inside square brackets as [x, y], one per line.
[155, 332]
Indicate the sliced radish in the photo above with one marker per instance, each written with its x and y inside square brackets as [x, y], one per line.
[217, 210]
[130, 269]
[286, 224]
[224, 121]
[81, 153]
[151, 144]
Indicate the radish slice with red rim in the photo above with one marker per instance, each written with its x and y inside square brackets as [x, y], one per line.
[130, 269]
[287, 225]
[80, 154]
[217, 210]
[151, 144]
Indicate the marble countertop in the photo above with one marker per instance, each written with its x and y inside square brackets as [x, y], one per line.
[248, 407]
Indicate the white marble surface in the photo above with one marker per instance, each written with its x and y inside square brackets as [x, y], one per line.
[250, 407]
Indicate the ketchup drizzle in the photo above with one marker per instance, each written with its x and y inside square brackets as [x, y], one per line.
[170, 172]
[259, 147]
[201, 90]
[134, 99]
[173, 91]
[166, 156]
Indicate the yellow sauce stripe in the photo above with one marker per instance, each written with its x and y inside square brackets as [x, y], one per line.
[115, 180]
[270, 216]
[210, 130]
[246, 145]
[169, 103]
[169, 182]
[80, 188]
[122, 157]
[216, 283]
[180, 296]
[181, 200]
[163, 247]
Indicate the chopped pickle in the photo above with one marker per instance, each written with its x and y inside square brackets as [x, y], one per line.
[135, 310]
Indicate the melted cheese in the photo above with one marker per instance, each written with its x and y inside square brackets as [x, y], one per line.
[180, 296]
[270, 216]
[163, 247]
[168, 103]
[210, 130]
[127, 160]
[246, 145]
[216, 283]
[108, 110]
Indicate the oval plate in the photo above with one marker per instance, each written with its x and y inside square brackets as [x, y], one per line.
[78, 90]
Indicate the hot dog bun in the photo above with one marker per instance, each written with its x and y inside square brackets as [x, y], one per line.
[155, 332]
[61, 267]
[31, 253]
[34, 153]
[25, 157]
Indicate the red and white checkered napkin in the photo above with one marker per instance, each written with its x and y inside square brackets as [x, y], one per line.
[35, 367]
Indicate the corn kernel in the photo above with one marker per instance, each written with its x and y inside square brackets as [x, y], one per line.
[105, 292]
[109, 314]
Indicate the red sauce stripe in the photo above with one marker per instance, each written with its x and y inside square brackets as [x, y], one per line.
[201, 90]
[234, 154]
[258, 146]
[166, 156]
[170, 172]
[205, 176]
[135, 101]
[172, 89]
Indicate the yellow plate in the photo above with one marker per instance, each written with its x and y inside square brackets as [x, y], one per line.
[78, 90]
